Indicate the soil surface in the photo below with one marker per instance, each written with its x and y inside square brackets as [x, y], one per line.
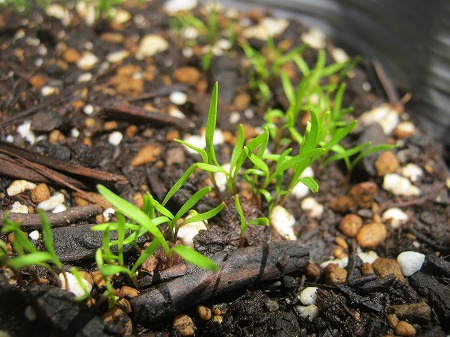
[84, 104]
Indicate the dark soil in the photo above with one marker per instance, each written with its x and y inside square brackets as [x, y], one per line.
[71, 154]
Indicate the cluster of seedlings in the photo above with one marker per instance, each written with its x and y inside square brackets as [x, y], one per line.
[273, 163]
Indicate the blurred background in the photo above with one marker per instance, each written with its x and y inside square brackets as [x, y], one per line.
[410, 38]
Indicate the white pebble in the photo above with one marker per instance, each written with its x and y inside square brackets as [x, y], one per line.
[34, 235]
[52, 202]
[75, 133]
[190, 33]
[234, 117]
[406, 127]
[171, 7]
[115, 138]
[60, 12]
[311, 206]
[308, 295]
[368, 257]
[410, 262]
[218, 137]
[107, 213]
[187, 232]
[249, 113]
[385, 115]
[19, 186]
[395, 217]
[59, 209]
[309, 311]
[342, 263]
[196, 141]
[48, 90]
[120, 16]
[178, 97]
[87, 61]
[300, 190]
[73, 286]
[26, 133]
[150, 45]
[17, 207]
[339, 55]
[117, 56]
[175, 112]
[221, 179]
[399, 185]
[88, 109]
[84, 77]
[266, 27]
[187, 52]
[283, 222]
[411, 171]
[314, 38]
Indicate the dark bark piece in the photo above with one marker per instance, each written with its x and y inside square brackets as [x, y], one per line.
[439, 264]
[356, 299]
[75, 243]
[60, 165]
[238, 269]
[66, 317]
[33, 221]
[437, 293]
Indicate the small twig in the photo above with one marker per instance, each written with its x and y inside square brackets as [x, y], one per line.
[129, 111]
[388, 87]
[164, 91]
[33, 221]
[12, 168]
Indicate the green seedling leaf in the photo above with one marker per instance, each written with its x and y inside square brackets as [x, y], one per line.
[77, 275]
[196, 258]
[258, 162]
[200, 151]
[288, 89]
[31, 259]
[149, 251]
[373, 149]
[192, 201]
[237, 150]
[134, 213]
[259, 222]
[212, 168]
[211, 125]
[310, 183]
[180, 182]
[205, 215]
[47, 236]
[240, 213]
[311, 138]
[108, 270]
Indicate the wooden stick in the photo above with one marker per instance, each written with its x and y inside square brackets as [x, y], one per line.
[239, 269]
[128, 111]
[60, 165]
[32, 221]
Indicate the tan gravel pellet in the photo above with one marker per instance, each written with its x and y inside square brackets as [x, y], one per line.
[404, 328]
[371, 235]
[384, 267]
[40, 193]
